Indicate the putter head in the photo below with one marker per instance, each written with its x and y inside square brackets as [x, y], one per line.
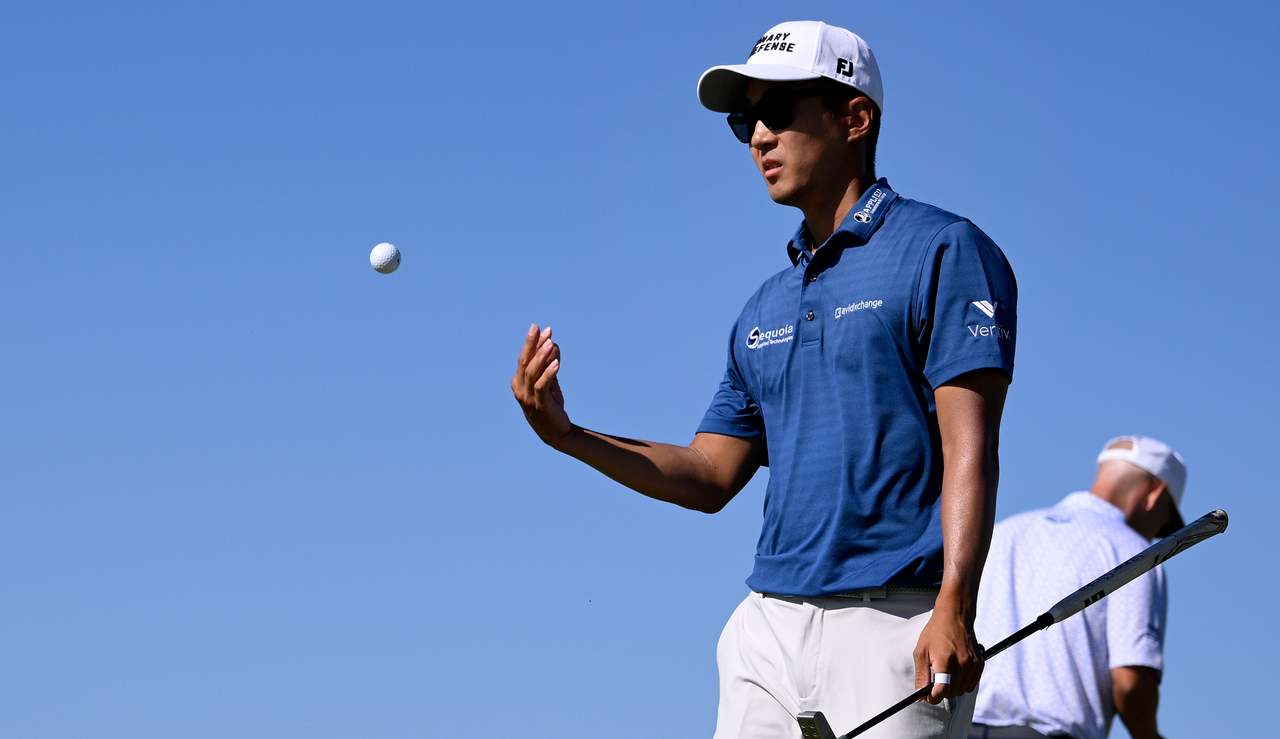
[813, 725]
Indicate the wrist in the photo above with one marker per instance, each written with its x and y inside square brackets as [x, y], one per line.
[955, 603]
[566, 441]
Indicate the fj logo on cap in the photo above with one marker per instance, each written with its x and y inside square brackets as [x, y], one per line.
[987, 307]
[844, 67]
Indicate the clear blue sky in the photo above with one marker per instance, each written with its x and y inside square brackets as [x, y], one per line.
[252, 488]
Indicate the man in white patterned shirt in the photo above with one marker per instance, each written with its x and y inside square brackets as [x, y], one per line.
[1072, 679]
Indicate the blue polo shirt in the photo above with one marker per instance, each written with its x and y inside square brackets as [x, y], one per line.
[833, 362]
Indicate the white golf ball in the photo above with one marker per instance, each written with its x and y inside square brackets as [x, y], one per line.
[385, 258]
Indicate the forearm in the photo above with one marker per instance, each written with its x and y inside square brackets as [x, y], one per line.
[968, 516]
[703, 476]
[969, 411]
[1136, 691]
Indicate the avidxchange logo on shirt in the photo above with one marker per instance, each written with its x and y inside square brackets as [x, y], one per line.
[758, 339]
[868, 210]
[861, 305]
[988, 309]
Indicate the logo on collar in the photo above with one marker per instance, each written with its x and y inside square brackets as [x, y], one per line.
[868, 210]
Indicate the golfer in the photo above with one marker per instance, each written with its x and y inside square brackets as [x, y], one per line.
[869, 375]
[1073, 679]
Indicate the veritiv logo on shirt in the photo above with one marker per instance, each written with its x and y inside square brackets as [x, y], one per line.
[988, 308]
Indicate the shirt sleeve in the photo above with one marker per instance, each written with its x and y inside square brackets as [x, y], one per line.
[967, 305]
[733, 411]
[1136, 623]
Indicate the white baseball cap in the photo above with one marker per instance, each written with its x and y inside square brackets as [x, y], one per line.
[796, 50]
[1155, 457]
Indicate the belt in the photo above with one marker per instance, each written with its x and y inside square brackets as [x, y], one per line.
[870, 594]
[981, 731]
[867, 594]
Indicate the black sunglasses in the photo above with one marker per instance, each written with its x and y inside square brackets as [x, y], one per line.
[775, 110]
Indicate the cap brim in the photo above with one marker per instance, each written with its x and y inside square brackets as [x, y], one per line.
[1171, 527]
[722, 89]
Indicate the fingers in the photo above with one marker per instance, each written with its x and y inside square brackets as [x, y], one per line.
[973, 675]
[941, 684]
[536, 386]
[954, 677]
[953, 667]
[542, 386]
[923, 671]
[537, 365]
[942, 687]
[519, 384]
[927, 669]
[530, 346]
[531, 363]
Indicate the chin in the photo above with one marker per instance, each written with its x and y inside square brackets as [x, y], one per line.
[782, 195]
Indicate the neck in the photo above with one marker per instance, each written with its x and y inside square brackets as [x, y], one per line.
[824, 216]
[1129, 501]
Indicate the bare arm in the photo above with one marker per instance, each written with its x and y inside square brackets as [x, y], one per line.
[969, 410]
[703, 476]
[1136, 691]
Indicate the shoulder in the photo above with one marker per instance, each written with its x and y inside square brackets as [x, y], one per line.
[1110, 538]
[922, 222]
[939, 240]
[1019, 522]
[935, 226]
[923, 215]
[1125, 540]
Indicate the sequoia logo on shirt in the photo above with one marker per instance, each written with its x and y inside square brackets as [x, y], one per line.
[757, 338]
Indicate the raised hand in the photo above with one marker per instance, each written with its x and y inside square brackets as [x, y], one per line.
[537, 389]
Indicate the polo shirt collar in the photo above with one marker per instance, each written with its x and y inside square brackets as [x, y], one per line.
[858, 225]
[1087, 501]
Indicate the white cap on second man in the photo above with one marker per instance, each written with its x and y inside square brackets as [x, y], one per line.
[1159, 459]
[796, 50]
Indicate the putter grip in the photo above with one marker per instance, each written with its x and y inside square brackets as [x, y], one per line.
[813, 725]
[1210, 524]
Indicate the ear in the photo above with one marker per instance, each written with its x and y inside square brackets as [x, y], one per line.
[858, 115]
[1152, 497]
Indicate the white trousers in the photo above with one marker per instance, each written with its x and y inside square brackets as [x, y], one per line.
[850, 659]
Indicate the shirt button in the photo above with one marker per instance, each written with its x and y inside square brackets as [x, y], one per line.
[813, 278]
[808, 316]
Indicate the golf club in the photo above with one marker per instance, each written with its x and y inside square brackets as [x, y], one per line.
[813, 725]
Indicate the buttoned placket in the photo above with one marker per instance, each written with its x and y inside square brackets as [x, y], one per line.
[810, 315]
[810, 323]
